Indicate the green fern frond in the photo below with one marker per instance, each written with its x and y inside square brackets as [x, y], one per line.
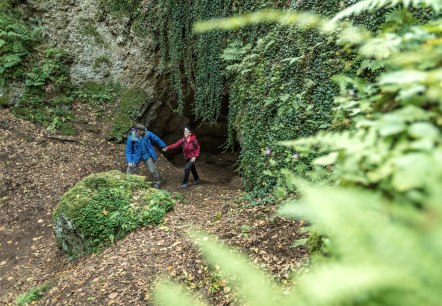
[372, 5]
[349, 33]
[400, 16]
[169, 293]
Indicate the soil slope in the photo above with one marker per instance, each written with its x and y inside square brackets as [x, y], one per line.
[37, 167]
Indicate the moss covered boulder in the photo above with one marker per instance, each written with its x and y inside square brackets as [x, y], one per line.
[103, 208]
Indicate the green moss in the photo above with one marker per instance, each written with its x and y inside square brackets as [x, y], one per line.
[5, 99]
[88, 28]
[102, 60]
[112, 180]
[129, 106]
[121, 8]
[103, 208]
[158, 204]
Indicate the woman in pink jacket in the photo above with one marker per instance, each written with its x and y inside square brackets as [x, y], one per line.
[191, 150]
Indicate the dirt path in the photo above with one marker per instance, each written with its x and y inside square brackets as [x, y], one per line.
[35, 171]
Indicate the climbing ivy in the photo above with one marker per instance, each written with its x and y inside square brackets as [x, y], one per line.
[280, 89]
[277, 80]
[192, 62]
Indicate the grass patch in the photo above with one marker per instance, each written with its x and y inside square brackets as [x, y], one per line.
[32, 295]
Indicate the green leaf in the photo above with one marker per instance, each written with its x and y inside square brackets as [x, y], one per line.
[403, 77]
[411, 171]
[299, 242]
[284, 98]
[423, 130]
[391, 125]
[11, 60]
[326, 160]
[380, 173]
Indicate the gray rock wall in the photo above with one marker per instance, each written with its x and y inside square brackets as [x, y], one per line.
[103, 47]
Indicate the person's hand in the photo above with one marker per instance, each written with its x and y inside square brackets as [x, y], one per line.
[164, 149]
[193, 159]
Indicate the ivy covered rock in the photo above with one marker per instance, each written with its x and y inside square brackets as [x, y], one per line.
[103, 208]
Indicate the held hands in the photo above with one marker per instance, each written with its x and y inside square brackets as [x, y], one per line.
[164, 149]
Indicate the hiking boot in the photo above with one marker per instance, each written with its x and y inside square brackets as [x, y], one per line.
[197, 181]
[185, 185]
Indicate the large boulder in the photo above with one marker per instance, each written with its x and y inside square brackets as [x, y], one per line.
[103, 208]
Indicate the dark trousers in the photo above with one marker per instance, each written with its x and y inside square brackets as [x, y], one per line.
[187, 169]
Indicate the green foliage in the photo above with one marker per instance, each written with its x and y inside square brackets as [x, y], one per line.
[98, 93]
[371, 5]
[17, 41]
[395, 137]
[281, 88]
[168, 293]
[46, 99]
[209, 80]
[128, 110]
[32, 295]
[43, 70]
[50, 70]
[103, 208]
[193, 60]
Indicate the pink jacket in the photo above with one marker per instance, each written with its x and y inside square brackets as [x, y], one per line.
[191, 148]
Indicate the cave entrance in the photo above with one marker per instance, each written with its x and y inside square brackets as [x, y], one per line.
[215, 164]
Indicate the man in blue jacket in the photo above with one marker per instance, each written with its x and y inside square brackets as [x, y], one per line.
[139, 149]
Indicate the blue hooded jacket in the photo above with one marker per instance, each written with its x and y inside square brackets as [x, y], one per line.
[134, 143]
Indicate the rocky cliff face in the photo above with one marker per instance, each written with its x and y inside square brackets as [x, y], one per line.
[103, 47]
[107, 48]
